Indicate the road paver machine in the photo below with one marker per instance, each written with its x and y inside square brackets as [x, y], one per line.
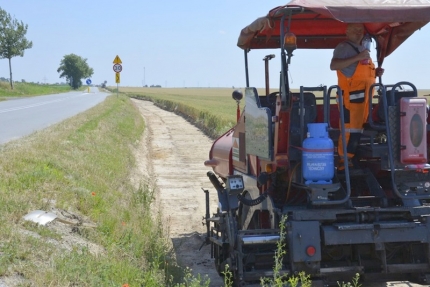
[279, 165]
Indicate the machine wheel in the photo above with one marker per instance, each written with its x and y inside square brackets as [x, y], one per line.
[220, 252]
[220, 258]
[244, 213]
[232, 230]
[239, 283]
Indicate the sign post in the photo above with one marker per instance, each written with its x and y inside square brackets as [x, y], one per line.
[88, 83]
[117, 68]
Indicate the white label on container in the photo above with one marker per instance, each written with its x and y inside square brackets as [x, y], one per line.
[316, 166]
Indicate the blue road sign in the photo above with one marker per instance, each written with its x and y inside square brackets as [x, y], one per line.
[88, 81]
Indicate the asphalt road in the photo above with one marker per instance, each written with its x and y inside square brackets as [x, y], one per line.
[21, 117]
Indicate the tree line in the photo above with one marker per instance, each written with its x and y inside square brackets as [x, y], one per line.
[13, 43]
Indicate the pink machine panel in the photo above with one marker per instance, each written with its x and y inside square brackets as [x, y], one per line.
[413, 130]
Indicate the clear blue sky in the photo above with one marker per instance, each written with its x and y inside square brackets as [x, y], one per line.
[186, 43]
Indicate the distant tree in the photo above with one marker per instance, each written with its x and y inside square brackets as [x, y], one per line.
[12, 39]
[74, 68]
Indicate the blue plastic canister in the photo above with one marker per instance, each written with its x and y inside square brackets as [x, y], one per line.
[318, 155]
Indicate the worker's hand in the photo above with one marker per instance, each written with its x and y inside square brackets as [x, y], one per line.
[379, 72]
[363, 55]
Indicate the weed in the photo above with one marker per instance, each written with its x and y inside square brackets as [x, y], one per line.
[190, 281]
[280, 279]
[355, 282]
[228, 276]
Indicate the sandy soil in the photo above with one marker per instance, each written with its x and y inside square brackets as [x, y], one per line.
[172, 153]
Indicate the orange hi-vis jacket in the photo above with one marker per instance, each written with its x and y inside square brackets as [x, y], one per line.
[355, 92]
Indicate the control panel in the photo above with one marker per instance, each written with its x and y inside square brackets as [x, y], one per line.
[235, 184]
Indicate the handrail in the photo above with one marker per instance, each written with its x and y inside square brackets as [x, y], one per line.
[369, 118]
[342, 124]
[302, 104]
[393, 90]
[386, 102]
[390, 144]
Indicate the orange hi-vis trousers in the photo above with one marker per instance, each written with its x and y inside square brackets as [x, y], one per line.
[355, 92]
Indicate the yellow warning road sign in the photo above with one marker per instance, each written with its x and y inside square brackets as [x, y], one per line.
[117, 78]
[117, 60]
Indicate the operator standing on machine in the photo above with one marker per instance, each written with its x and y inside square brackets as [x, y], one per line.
[356, 73]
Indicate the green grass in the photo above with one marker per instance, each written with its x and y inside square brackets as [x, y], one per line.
[29, 89]
[82, 166]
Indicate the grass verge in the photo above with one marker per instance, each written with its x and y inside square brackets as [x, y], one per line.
[29, 89]
[80, 168]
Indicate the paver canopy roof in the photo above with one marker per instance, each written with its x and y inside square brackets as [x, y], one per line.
[321, 24]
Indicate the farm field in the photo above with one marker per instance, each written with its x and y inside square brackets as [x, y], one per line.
[214, 99]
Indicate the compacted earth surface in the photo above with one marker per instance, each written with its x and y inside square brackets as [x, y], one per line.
[172, 154]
